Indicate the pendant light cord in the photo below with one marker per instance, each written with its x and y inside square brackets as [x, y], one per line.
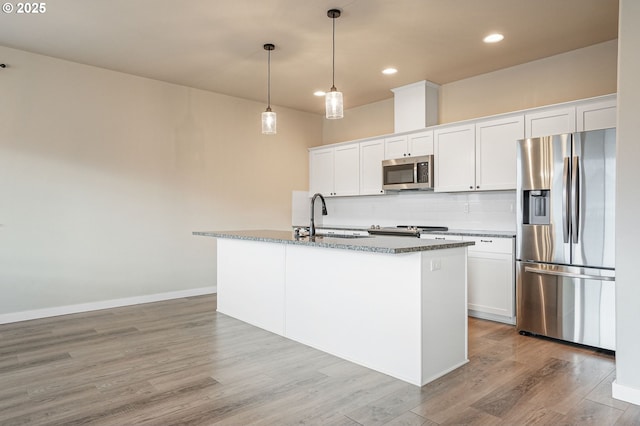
[269, 82]
[333, 71]
[269, 47]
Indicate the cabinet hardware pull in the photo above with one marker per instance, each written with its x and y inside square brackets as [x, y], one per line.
[486, 241]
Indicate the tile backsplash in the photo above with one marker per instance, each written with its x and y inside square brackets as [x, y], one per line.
[476, 210]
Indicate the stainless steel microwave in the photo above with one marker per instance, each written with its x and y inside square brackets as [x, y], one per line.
[408, 173]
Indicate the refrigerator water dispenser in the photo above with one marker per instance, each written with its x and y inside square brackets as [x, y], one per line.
[536, 207]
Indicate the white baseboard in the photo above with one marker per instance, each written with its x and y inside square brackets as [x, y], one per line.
[625, 393]
[103, 304]
[492, 317]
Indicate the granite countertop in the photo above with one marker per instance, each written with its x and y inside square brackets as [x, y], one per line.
[476, 233]
[377, 244]
[463, 232]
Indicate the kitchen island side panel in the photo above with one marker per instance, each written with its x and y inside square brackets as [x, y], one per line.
[363, 307]
[251, 282]
[444, 312]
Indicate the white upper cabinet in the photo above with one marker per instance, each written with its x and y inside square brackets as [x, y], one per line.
[411, 145]
[496, 152]
[477, 156]
[335, 171]
[346, 170]
[553, 121]
[321, 171]
[596, 115]
[371, 156]
[454, 150]
[421, 143]
[396, 147]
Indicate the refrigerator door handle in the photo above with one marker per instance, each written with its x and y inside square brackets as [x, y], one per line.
[565, 200]
[575, 199]
[568, 274]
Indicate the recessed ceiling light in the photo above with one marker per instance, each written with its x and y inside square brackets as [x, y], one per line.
[319, 93]
[493, 38]
[389, 71]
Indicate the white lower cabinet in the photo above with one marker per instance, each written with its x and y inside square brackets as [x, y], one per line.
[491, 279]
[490, 276]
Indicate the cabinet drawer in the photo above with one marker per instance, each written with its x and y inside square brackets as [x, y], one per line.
[491, 245]
[441, 237]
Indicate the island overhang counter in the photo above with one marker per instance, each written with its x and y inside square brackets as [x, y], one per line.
[396, 305]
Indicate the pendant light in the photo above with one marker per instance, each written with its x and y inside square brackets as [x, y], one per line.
[269, 117]
[333, 98]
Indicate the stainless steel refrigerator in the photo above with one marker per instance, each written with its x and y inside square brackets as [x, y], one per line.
[565, 277]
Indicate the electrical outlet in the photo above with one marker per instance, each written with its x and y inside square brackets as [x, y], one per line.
[436, 264]
[466, 207]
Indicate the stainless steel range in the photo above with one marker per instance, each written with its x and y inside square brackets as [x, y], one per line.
[405, 230]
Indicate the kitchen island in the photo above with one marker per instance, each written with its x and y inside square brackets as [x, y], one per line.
[397, 305]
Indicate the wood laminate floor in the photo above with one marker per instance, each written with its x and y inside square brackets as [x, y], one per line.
[180, 362]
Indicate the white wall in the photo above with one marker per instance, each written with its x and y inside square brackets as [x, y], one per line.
[103, 177]
[627, 386]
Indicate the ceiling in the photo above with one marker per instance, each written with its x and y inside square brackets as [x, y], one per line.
[217, 46]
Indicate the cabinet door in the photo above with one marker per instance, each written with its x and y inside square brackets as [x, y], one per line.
[421, 143]
[596, 115]
[321, 171]
[455, 158]
[496, 152]
[550, 122]
[490, 284]
[346, 170]
[395, 147]
[371, 156]
[491, 278]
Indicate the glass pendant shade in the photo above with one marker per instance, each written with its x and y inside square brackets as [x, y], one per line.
[333, 104]
[269, 122]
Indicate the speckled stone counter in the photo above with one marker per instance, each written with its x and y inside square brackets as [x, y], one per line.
[476, 233]
[373, 244]
[463, 232]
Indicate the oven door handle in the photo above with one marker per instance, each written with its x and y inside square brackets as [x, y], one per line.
[568, 274]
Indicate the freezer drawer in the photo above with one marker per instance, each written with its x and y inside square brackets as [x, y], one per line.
[569, 303]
